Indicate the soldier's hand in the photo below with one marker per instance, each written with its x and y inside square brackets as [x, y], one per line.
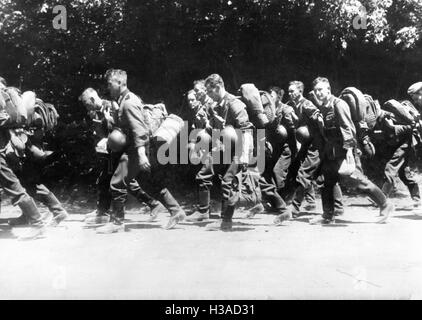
[143, 160]
[389, 123]
[219, 121]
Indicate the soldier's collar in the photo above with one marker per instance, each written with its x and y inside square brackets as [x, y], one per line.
[122, 96]
[329, 102]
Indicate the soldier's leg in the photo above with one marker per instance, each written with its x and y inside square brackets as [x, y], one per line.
[407, 176]
[228, 172]
[46, 197]
[118, 188]
[307, 172]
[12, 186]
[392, 169]
[204, 180]
[153, 183]
[281, 167]
[362, 183]
[103, 185]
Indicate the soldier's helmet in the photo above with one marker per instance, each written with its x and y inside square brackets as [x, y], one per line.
[281, 133]
[116, 140]
[302, 134]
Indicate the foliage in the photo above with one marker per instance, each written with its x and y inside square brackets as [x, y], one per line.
[166, 44]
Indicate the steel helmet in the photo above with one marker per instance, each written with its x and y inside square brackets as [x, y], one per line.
[116, 140]
[302, 134]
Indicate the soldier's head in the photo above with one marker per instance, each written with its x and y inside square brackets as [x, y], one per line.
[3, 83]
[322, 89]
[215, 87]
[415, 92]
[296, 90]
[200, 90]
[276, 92]
[191, 97]
[116, 82]
[91, 100]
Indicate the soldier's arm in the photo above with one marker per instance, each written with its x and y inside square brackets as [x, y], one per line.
[311, 111]
[238, 113]
[345, 122]
[137, 125]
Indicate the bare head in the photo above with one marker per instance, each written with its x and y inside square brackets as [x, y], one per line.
[277, 93]
[415, 92]
[116, 82]
[192, 101]
[200, 90]
[91, 100]
[296, 90]
[215, 87]
[322, 89]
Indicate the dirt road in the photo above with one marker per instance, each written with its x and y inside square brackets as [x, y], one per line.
[353, 259]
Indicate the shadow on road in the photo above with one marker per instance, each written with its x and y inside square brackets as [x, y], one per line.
[6, 233]
[131, 226]
[410, 217]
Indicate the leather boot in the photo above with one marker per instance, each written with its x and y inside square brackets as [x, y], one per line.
[55, 207]
[30, 210]
[176, 212]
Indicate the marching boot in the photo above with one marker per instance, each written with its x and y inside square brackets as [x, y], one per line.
[225, 223]
[116, 219]
[55, 207]
[176, 212]
[338, 201]
[30, 210]
[204, 207]
[155, 206]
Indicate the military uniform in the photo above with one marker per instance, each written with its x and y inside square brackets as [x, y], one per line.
[234, 112]
[397, 145]
[132, 121]
[10, 182]
[110, 163]
[340, 135]
[306, 165]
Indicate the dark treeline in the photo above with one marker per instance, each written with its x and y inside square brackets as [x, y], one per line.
[164, 45]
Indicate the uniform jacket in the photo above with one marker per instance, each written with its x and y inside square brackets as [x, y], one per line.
[234, 112]
[339, 130]
[131, 119]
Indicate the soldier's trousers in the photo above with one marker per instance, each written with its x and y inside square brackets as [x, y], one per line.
[301, 173]
[112, 187]
[128, 173]
[228, 174]
[398, 165]
[330, 168]
[12, 186]
[276, 166]
[31, 178]
[280, 162]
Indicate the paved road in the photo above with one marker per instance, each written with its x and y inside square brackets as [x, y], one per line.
[353, 259]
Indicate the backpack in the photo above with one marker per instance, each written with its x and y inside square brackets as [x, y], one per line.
[404, 112]
[12, 104]
[364, 110]
[154, 114]
[47, 115]
[259, 105]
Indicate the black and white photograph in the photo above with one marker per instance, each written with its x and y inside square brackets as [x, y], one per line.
[230, 150]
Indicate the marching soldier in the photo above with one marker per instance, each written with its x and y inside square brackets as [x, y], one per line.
[340, 155]
[305, 166]
[229, 114]
[103, 114]
[140, 152]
